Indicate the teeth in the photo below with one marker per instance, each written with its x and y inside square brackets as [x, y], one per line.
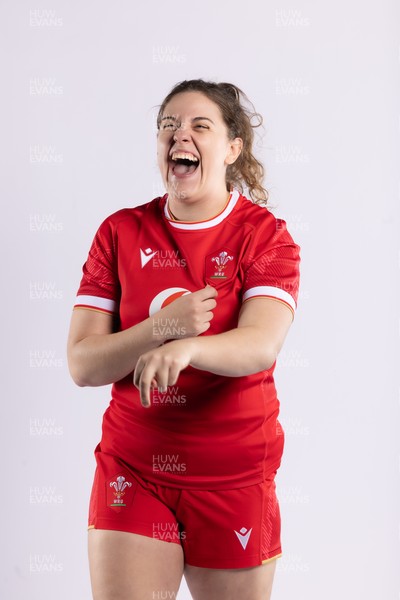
[187, 155]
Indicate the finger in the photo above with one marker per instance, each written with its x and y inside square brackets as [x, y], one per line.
[209, 304]
[137, 372]
[162, 378]
[145, 382]
[208, 316]
[174, 372]
[207, 292]
[205, 327]
[212, 291]
[145, 379]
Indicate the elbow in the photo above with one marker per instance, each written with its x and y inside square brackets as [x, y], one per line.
[256, 363]
[261, 353]
[78, 377]
[77, 370]
[83, 377]
[267, 359]
[268, 364]
[259, 359]
[80, 382]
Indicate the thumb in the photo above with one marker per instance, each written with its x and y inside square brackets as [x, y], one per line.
[211, 290]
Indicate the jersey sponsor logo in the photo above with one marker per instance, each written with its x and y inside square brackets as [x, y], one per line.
[119, 487]
[146, 256]
[165, 297]
[220, 264]
[162, 259]
[243, 535]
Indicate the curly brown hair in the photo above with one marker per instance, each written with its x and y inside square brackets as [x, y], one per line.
[238, 119]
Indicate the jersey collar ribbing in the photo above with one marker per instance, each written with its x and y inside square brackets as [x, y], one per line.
[193, 225]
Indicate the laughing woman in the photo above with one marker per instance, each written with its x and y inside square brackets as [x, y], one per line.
[184, 305]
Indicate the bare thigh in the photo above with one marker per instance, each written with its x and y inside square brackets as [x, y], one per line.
[127, 566]
[226, 584]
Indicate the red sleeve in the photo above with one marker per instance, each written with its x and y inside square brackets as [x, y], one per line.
[273, 269]
[99, 288]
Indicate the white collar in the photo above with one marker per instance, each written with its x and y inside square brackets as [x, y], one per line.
[191, 225]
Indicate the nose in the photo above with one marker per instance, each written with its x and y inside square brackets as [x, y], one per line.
[181, 133]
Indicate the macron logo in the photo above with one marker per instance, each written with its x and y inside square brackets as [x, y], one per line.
[243, 536]
[146, 255]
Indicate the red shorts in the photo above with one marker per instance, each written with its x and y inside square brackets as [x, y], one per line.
[224, 529]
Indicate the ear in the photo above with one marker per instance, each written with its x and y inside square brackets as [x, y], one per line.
[234, 149]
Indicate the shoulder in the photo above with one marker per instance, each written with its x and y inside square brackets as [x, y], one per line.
[128, 218]
[261, 222]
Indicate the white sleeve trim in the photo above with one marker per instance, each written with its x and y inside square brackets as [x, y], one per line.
[96, 302]
[269, 290]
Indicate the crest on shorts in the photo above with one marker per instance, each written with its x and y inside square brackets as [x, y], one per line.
[118, 491]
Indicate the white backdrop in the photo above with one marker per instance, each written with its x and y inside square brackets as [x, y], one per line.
[80, 84]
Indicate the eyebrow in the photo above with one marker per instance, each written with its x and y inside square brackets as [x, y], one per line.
[194, 119]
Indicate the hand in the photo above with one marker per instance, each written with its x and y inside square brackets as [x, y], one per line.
[189, 315]
[160, 367]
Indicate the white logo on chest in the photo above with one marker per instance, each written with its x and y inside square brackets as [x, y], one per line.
[146, 255]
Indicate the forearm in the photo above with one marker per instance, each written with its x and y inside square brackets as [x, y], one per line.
[235, 353]
[103, 359]
[250, 348]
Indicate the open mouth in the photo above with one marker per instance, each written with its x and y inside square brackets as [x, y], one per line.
[183, 164]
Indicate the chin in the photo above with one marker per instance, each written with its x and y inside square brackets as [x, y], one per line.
[182, 191]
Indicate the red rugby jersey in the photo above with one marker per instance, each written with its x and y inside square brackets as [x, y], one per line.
[207, 431]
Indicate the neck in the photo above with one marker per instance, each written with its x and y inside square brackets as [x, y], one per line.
[203, 209]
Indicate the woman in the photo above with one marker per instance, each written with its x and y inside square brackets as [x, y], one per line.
[184, 305]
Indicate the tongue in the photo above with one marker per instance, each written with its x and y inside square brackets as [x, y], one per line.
[180, 169]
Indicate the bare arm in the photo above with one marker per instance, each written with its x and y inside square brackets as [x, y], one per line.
[250, 348]
[97, 356]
